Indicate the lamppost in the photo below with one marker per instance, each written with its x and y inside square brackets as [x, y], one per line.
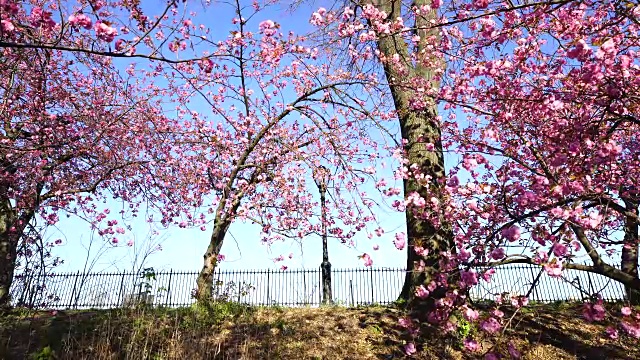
[321, 177]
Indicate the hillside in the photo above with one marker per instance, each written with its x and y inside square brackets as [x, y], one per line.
[230, 331]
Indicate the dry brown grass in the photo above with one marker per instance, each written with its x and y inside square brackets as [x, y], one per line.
[232, 332]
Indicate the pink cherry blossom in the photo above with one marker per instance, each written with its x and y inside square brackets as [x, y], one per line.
[422, 292]
[420, 251]
[7, 26]
[470, 314]
[512, 233]
[399, 241]
[553, 269]
[471, 345]
[367, 260]
[268, 27]
[612, 332]
[410, 349]
[105, 32]
[405, 322]
[631, 328]
[80, 20]
[490, 325]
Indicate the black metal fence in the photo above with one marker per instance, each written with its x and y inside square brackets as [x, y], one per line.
[301, 287]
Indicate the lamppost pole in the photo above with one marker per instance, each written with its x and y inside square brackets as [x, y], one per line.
[321, 179]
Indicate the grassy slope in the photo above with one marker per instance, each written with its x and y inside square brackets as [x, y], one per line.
[228, 331]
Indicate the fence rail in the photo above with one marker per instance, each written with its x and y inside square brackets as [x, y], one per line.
[296, 287]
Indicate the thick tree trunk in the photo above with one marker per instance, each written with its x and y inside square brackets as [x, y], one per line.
[8, 255]
[418, 128]
[9, 236]
[629, 258]
[205, 281]
[422, 232]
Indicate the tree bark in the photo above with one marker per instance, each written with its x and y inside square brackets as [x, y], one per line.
[629, 258]
[418, 128]
[205, 281]
[12, 228]
[8, 256]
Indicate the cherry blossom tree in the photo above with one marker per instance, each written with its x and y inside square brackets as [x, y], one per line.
[374, 33]
[554, 122]
[468, 63]
[539, 120]
[276, 113]
[75, 131]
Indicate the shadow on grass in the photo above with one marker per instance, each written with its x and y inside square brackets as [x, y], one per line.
[232, 331]
[571, 334]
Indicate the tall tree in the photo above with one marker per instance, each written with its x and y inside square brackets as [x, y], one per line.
[540, 112]
[420, 130]
[75, 130]
[276, 114]
[409, 68]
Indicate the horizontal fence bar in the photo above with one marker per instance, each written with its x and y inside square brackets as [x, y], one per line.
[293, 287]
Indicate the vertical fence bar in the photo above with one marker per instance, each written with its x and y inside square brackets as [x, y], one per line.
[304, 284]
[168, 300]
[535, 282]
[373, 298]
[590, 284]
[353, 303]
[73, 292]
[268, 287]
[320, 292]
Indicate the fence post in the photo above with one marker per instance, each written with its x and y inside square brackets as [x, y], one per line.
[168, 301]
[25, 290]
[320, 285]
[73, 292]
[534, 284]
[240, 284]
[351, 291]
[121, 294]
[268, 286]
[304, 282]
[372, 287]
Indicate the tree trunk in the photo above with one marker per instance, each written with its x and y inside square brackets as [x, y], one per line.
[8, 254]
[629, 258]
[421, 232]
[9, 236]
[205, 281]
[418, 128]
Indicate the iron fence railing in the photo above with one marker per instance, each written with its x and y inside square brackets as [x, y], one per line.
[296, 287]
